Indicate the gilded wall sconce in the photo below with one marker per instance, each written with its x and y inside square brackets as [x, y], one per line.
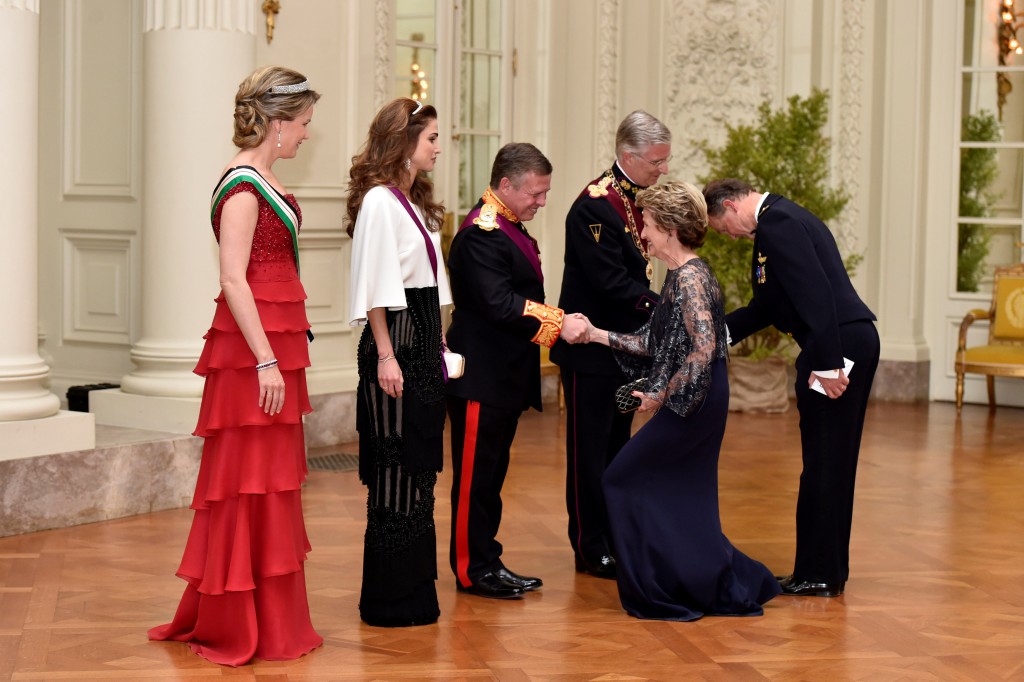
[271, 8]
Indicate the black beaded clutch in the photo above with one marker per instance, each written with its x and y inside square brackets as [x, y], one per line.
[625, 401]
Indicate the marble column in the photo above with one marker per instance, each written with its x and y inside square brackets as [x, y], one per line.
[23, 373]
[195, 54]
[29, 412]
[901, 202]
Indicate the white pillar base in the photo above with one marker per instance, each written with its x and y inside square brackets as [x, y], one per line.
[63, 432]
[114, 407]
[34, 402]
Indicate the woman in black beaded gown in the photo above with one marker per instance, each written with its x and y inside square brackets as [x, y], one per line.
[674, 562]
[398, 284]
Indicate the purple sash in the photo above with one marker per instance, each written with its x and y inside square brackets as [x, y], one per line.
[431, 253]
[423, 231]
[518, 237]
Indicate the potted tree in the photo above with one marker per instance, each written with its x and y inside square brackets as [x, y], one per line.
[979, 168]
[784, 152]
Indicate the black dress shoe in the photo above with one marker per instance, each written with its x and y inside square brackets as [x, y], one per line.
[805, 588]
[491, 585]
[604, 567]
[523, 582]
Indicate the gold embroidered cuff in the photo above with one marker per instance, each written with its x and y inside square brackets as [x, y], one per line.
[550, 322]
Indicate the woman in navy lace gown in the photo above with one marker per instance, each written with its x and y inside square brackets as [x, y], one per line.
[674, 562]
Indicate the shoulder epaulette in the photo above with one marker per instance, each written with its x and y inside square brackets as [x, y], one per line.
[600, 189]
[487, 220]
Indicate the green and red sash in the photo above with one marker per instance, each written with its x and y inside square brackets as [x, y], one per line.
[282, 208]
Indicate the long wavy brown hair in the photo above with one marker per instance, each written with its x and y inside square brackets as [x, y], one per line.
[393, 135]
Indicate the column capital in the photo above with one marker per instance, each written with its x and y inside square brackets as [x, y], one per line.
[229, 16]
[27, 5]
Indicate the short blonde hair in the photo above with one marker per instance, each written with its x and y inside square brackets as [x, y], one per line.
[678, 207]
[256, 106]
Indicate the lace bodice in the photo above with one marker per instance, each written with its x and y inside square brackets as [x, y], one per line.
[676, 348]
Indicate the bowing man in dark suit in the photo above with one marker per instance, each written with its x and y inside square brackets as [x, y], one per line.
[499, 323]
[801, 286]
[607, 277]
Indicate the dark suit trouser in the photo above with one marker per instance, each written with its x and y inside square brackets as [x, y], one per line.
[830, 433]
[481, 440]
[595, 431]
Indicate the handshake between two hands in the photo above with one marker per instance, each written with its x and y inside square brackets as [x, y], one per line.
[576, 328]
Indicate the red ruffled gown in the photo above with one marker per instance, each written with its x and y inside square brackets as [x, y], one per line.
[243, 561]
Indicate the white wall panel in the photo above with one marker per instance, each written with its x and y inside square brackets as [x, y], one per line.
[313, 38]
[325, 260]
[97, 295]
[100, 107]
[89, 187]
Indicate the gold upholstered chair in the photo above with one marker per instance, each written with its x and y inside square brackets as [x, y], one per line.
[1003, 355]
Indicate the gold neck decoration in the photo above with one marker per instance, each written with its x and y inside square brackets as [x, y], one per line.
[490, 197]
[631, 224]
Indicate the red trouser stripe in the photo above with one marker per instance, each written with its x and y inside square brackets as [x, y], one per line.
[465, 484]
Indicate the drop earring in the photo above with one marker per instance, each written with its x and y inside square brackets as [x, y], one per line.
[278, 137]
[408, 164]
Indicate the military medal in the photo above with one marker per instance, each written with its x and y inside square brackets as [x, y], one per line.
[759, 271]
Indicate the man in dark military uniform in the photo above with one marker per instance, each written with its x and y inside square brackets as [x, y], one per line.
[500, 322]
[607, 277]
[801, 286]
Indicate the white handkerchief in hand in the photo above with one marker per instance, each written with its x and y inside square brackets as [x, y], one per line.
[847, 366]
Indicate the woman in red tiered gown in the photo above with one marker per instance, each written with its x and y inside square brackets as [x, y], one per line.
[243, 561]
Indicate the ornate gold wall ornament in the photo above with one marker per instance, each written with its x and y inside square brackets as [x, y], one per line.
[271, 8]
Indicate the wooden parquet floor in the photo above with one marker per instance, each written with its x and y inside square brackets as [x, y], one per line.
[936, 593]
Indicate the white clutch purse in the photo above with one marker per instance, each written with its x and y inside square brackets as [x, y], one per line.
[454, 364]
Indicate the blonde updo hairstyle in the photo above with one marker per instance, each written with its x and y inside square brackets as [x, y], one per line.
[679, 208]
[256, 106]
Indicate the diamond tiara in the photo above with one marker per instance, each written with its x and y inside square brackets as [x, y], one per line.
[289, 89]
